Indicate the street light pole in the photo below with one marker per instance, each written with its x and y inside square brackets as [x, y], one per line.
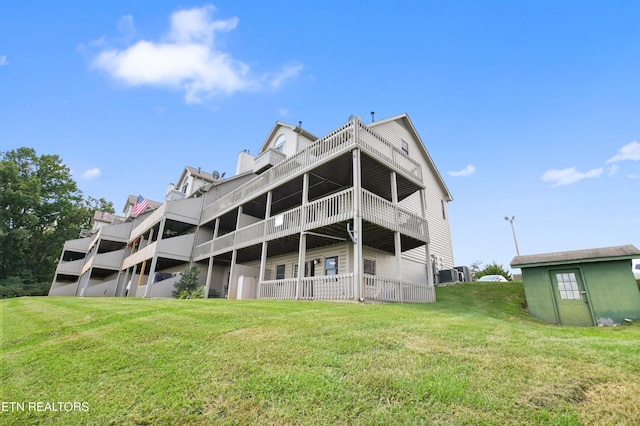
[513, 231]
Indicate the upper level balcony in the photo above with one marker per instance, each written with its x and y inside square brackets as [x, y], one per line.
[177, 248]
[184, 211]
[73, 267]
[80, 245]
[352, 135]
[268, 159]
[109, 260]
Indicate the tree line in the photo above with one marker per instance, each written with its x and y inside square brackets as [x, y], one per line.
[41, 207]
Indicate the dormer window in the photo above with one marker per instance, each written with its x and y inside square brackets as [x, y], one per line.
[279, 143]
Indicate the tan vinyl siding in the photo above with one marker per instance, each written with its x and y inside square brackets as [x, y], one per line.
[439, 232]
[218, 191]
[291, 259]
[203, 235]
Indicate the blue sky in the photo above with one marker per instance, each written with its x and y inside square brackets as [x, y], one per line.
[529, 108]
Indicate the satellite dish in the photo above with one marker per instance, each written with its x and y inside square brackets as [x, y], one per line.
[215, 174]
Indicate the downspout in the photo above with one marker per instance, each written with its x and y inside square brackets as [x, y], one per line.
[359, 291]
[397, 242]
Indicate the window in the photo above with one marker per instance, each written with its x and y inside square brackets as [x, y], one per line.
[306, 269]
[331, 265]
[279, 143]
[444, 210]
[568, 286]
[369, 266]
[280, 272]
[405, 147]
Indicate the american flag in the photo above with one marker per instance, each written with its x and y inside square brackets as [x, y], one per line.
[140, 206]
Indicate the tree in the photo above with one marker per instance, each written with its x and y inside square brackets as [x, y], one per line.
[187, 287]
[40, 208]
[491, 269]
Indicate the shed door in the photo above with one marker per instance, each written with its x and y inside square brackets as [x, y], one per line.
[571, 297]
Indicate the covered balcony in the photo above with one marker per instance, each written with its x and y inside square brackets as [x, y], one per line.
[334, 148]
[327, 218]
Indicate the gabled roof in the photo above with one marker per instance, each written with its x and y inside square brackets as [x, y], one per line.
[577, 256]
[274, 131]
[132, 199]
[199, 173]
[405, 121]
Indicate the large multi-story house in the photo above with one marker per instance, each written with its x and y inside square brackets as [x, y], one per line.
[359, 214]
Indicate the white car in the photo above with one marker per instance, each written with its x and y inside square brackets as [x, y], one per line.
[492, 278]
[635, 264]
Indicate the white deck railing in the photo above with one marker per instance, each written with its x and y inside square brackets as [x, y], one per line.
[334, 208]
[378, 147]
[393, 290]
[278, 289]
[382, 212]
[336, 142]
[341, 287]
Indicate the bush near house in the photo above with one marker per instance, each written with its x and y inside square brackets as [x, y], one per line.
[491, 269]
[187, 287]
[473, 357]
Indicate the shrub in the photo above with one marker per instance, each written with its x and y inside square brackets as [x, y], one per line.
[187, 287]
[493, 269]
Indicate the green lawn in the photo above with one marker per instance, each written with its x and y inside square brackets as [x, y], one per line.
[474, 357]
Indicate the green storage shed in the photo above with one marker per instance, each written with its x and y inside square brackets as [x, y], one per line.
[582, 287]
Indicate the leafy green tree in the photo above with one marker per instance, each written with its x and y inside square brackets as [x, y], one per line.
[187, 287]
[40, 208]
[474, 268]
[492, 269]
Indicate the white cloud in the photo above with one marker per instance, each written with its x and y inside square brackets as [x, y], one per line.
[187, 59]
[3, 61]
[286, 73]
[568, 176]
[467, 171]
[126, 27]
[613, 169]
[92, 174]
[630, 151]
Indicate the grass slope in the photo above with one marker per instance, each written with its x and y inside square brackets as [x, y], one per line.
[474, 357]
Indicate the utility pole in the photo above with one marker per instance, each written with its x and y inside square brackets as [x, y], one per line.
[513, 231]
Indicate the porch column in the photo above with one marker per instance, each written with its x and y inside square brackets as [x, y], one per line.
[358, 265]
[123, 288]
[265, 244]
[427, 251]
[208, 281]
[396, 234]
[216, 228]
[154, 261]
[84, 281]
[302, 249]
[233, 280]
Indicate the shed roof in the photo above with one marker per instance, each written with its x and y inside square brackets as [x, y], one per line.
[577, 256]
